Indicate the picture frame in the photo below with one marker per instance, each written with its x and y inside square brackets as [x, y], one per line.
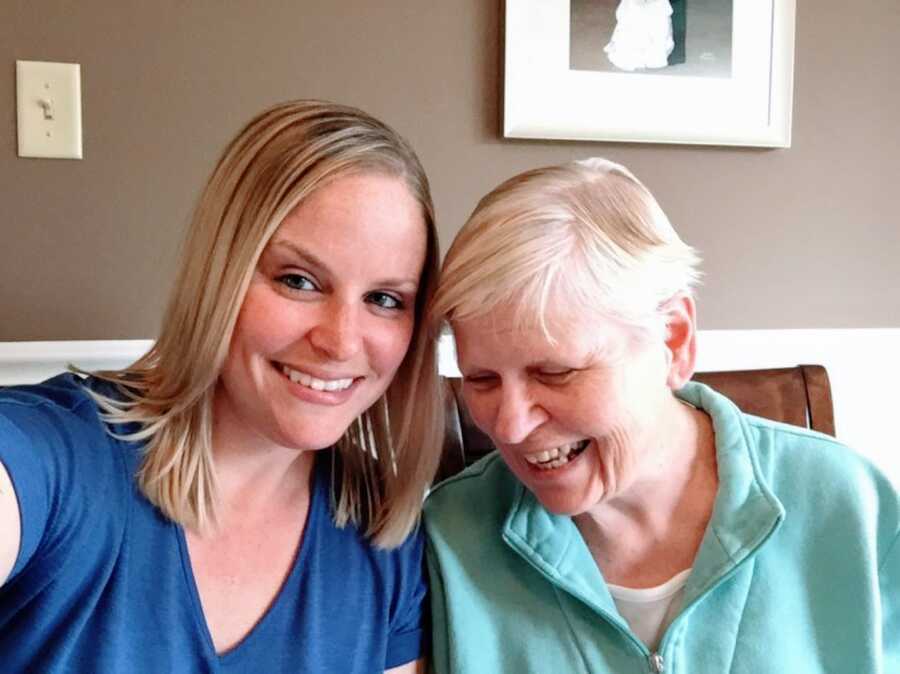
[732, 83]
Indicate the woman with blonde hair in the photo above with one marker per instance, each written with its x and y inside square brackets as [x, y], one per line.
[633, 521]
[245, 497]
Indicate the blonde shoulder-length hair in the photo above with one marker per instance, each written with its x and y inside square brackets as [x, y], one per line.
[386, 459]
[588, 230]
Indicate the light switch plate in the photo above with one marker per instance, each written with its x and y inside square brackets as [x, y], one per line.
[49, 109]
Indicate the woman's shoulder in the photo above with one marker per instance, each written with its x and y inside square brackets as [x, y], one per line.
[785, 455]
[350, 539]
[784, 448]
[62, 394]
[480, 494]
[47, 417]
[486, 473]
[62, 463]
[56, 420]
[815, 474]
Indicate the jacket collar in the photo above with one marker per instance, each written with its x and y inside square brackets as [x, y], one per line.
[745, 514]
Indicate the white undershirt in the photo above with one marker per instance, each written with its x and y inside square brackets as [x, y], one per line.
[648, 611]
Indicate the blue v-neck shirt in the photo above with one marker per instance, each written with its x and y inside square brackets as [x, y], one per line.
[103, 582]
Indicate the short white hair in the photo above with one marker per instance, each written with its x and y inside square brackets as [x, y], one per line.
[587, 230]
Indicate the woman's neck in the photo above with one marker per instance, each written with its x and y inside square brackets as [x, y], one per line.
[253, 474]
[652, 530]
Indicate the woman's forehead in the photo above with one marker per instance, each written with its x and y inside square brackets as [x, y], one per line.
[357, 222]
[502, 334]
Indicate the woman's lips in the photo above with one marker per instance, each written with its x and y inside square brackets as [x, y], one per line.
[334, 391]
[558, 456]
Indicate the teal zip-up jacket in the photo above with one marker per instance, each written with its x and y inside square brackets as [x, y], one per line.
[798, 571]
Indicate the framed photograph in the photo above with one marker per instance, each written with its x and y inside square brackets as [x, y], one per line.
[713, 72]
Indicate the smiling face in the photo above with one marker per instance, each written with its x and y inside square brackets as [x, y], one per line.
[328, 316]
[578, 420]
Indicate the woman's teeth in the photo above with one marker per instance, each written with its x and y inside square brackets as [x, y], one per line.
[314, 383]
[556, 457]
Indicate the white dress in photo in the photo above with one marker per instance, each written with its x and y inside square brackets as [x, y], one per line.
[642, 37]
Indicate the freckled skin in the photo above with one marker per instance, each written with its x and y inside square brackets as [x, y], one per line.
[334, 296]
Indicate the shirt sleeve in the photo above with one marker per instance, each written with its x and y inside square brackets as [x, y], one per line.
[52, 454]
[407, 640]
[439, 662]
[889, 579]
[23, 453]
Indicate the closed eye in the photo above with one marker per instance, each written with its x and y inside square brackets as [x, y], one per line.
[555, 376]
[481, 380]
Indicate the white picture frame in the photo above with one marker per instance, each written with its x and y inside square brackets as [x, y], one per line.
[545, 98]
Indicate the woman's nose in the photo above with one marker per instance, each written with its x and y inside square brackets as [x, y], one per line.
[338, 334]
[518, 415]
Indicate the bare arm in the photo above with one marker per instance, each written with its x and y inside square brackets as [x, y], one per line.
[10, 525]
[417, 667]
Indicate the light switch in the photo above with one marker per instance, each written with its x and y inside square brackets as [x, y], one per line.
[49, 109]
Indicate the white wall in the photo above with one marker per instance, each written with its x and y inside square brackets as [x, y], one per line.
[863, 366]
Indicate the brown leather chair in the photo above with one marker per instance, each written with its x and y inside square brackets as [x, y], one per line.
[798, 395]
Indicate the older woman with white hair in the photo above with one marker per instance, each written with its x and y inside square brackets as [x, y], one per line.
[632, 520]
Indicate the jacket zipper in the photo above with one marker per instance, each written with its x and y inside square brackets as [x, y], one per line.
[655, 659]
[657, 664]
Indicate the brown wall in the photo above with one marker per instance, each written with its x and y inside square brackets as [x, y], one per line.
[805, 237]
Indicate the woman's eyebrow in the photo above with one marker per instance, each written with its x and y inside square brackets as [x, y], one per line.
[406, 283]
[548, 364]
[306, 256]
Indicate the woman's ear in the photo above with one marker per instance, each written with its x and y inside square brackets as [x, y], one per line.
[680, 315]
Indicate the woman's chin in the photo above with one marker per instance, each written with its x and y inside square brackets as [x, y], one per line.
[571, 489]
[564, 502]
[305, 442]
